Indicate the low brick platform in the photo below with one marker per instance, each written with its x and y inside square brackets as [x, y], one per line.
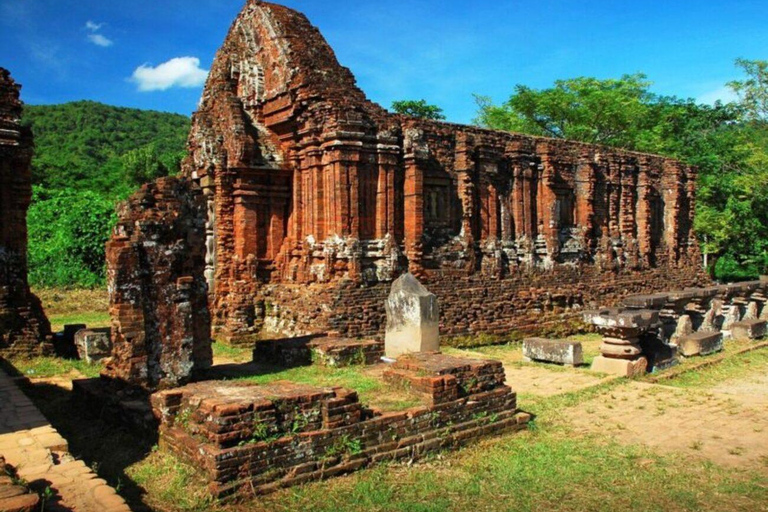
[307, 350]
[439, 378]
[40, 457]
[254, 439]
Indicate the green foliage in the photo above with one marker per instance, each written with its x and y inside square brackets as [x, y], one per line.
[418, 108]
[728, 143]
[88, 156]
[67, 233]
[609, 112]
[83, 145]
[753, 91]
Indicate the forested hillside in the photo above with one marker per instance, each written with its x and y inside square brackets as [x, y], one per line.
[88, 156]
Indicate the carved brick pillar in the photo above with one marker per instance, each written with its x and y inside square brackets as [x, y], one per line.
[387, 159]
[550, 227]
[585, 201]
[673, 191]
[643, 212]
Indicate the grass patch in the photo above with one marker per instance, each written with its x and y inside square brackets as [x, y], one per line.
[730, 368]
[372, 389]
[93, 320]
[238, 355]
[47, 367]
[170, 483]
[75, 306]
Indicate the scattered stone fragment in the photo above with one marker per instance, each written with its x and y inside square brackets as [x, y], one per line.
[684, 328]
[553, 351]
[748, 330]
[700, 344]
[752, 312]
[93, 345]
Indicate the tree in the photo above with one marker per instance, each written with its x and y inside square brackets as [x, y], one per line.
[753, 91]
[420, 109]
[611, 112]
[143, 165]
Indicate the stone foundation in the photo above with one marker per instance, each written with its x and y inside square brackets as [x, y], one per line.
[252, 439]
[328, 351]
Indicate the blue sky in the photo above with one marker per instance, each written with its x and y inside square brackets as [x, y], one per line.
[442, 51]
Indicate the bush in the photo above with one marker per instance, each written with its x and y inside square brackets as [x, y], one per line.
[728, 269]
[68, 231]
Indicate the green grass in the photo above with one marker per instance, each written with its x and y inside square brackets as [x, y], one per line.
[546, 468]
[371, 389]
[47, 367]
[92, 320]
[730, 368]
[240, 355]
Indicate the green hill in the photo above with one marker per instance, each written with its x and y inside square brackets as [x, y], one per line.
[110, 150]
[87, 157]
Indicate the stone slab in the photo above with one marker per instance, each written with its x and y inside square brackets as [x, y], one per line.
[562, 352]
[620, 367]
[700, 344]
[748, 330]
[413, 318]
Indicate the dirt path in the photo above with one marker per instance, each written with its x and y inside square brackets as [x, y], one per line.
[726, 426]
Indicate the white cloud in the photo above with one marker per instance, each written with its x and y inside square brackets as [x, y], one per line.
[724, 94]
[100, 40]
[177, 72]
[93, 26]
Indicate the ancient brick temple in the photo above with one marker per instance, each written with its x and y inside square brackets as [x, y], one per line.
[317, 198]
[23, 326]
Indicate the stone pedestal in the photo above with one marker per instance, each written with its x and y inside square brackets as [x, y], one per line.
[748, 330]
[93, 345]
[621, 351]
[413, 318]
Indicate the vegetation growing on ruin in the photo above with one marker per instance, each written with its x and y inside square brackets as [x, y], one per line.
[727, 142]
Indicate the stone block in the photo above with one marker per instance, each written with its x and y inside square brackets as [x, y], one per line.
[747, 330]
[553, 351]
[701, 344]
[93, 345]
[621, 367]
[413, 318]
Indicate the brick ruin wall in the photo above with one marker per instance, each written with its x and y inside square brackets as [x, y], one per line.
[318, 198]
[24, 329]
[158, 297]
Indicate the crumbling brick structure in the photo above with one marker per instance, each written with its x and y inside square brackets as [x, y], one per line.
[318, 197]
[24, 329]
[158, 300]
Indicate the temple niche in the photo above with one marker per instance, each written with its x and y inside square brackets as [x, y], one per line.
[317, 198]
[24, 329]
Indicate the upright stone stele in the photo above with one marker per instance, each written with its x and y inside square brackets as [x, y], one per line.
[413, 318]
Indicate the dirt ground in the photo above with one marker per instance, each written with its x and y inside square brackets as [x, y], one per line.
[727, 425]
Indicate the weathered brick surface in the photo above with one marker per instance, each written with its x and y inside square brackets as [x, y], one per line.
[23, 325]
[248, 438]
[14, 497]
[308, 182]
[320, 349]
[158, 299]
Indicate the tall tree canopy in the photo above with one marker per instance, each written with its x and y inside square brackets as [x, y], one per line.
[418, 108]
[727, 142]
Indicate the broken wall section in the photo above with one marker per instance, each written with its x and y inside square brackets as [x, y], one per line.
[158, 294]
[23, 325]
